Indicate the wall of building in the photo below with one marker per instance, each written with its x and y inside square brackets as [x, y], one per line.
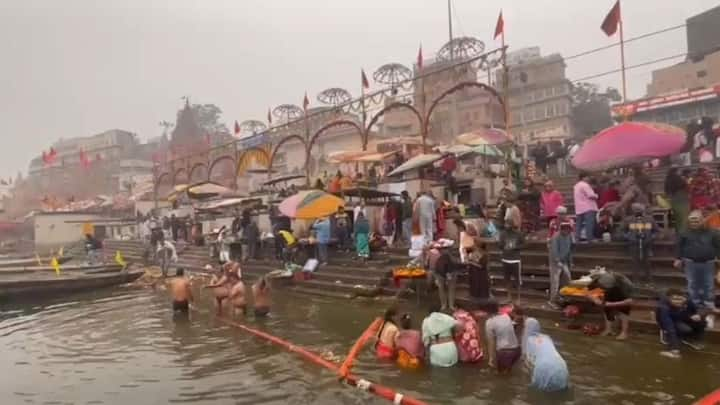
[58, 229]
[686, 75]
[539, 98]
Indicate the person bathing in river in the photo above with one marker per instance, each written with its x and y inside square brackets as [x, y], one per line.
[181, 293]
[223, 281]
[617, 302]
[387, 336]
[467, 337]
[410, 349]
[437, 335]
[238, 299]
[261, 293]
[548, 369]
[503, 347]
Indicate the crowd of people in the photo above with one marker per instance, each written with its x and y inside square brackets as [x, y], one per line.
[444, 340]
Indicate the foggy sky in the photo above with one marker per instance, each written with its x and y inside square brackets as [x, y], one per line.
[78, 67]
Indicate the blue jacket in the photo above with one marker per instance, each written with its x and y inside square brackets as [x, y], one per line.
[322, 231]
[667, 315]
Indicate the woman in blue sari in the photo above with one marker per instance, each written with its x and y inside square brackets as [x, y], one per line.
[548, 369]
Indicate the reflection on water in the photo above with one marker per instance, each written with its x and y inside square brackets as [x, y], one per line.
[123, 347]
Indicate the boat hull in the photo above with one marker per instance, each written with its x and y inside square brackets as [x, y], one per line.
[36, 288]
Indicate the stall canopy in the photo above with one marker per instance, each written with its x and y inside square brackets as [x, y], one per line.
[463, 150]
[358, 156]
[366, 192]
[283, 179]
[416, 162]
[229, 203]
[199, 191]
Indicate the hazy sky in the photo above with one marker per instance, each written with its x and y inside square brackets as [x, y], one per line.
[78, 67]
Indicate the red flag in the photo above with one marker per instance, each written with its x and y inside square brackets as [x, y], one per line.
[499, 26]
[364, 79]
[237, 127]
[420, 58]
[269, 117]
[306, 102]
[611, 21]
[84, 161]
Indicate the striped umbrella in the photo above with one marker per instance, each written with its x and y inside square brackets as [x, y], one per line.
[484, 136]
[310, 204]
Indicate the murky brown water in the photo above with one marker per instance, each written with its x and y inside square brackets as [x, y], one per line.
[122, 347]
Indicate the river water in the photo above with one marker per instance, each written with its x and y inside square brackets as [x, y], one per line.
[122, 347]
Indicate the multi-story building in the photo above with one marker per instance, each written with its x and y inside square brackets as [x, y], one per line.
[101, 173]
[465, 110]
[689, 90]
[539, 96]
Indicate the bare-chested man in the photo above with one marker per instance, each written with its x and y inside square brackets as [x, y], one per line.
[237, 298]
[223, 281]
[181, 293]
[261, 293]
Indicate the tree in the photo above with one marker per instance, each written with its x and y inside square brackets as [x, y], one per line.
[591, 108]
[208, 117]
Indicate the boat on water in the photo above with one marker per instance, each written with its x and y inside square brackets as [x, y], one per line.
[30, 261]
[39, 284]
[86, 268]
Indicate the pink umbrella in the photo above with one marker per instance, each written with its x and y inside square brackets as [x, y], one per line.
[628, 144]
[484, 136]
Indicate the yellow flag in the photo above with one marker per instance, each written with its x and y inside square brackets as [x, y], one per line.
[55, 265]
[119, 259]
[37, 257]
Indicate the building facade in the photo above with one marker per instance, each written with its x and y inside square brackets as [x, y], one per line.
[539, 96]
[678, 108]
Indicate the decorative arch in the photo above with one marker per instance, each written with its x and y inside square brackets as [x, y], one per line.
[283, 142]
[163, 180]
[247, 156]
[457, 87]
[393, 106]
[333, 124]
[196, 169]
[233, 165]
[178, 173]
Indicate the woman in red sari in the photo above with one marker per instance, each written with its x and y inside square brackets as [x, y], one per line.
[701, 189]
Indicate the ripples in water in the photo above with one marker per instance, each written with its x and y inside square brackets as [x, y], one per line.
[124, 348]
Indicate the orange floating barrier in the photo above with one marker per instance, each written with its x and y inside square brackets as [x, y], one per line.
[365, 385]
[371, 331]
[712, 398]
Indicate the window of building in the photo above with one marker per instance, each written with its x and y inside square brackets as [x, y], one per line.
[539, 95]
[550, 110]
[548, 92]
[562, 109]
[702, 73]
[539, 113]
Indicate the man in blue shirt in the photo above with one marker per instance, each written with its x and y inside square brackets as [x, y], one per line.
[322, 234]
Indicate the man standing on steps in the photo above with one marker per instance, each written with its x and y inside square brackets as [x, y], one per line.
[697, 251]
[561, 245]
[586, 207]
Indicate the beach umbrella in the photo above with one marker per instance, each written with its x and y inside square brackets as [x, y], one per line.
[484, 137]
[628, 144]
[310, 204]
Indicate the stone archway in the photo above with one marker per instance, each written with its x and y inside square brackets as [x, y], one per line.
[198, 173]
[223, 171]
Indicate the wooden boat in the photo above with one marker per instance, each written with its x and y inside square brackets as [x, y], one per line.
[30, 261]
[40, 284]
[95, 268]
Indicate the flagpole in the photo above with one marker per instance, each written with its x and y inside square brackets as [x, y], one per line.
[622, 59]
[364, 112]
